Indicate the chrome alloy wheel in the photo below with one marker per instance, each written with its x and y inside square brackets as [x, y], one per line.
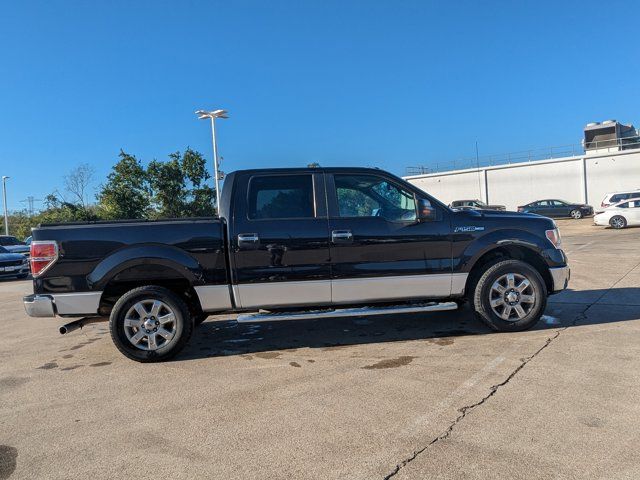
[150, 324]
[576, 214]
[617, 222]
[512, 297]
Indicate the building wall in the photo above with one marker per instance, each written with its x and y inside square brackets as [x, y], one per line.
[575, 179]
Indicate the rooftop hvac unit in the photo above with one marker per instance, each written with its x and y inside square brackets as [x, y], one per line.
[609, 136]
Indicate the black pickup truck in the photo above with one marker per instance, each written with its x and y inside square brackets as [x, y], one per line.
[295, 243]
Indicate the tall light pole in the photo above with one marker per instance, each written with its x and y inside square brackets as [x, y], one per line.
[4, 196]
[203, 115]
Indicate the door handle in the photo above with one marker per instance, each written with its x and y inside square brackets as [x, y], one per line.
[248, 240]
[341, 236]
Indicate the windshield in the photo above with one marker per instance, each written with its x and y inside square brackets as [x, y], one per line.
[10, 241]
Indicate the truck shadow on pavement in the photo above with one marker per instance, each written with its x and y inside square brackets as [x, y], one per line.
[227, 337]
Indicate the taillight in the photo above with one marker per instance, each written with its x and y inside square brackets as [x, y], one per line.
[44, 254]
[604, 205]
[521, 209]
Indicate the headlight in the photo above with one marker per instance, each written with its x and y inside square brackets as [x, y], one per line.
[554, 237]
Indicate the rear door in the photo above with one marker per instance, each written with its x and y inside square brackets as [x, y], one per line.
[279, 240]
[379, 250]
[538, 207]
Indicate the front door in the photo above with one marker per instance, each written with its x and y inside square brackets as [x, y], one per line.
[279, 241]
[379, 250]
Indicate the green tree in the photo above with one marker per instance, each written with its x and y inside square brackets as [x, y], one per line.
[168, 191]
[179, 188]
[126, 193]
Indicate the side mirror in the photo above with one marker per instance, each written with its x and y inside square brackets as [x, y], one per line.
[426, 211]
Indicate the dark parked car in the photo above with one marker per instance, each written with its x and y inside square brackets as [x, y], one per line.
[474, 205]
[13, 264]
[557, 208]
[299, 243]
[13, 244]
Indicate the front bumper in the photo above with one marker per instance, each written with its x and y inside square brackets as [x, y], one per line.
[14, 270]
[39, 306]
[560, 277]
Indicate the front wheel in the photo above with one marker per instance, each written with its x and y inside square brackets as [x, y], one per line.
[618, 222]
[510, 296]
[576, 214]
[150, 324]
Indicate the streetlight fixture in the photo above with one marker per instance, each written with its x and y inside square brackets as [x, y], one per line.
[203, 115]
[4, 196]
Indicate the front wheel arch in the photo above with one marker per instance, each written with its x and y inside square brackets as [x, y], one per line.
[510, 252]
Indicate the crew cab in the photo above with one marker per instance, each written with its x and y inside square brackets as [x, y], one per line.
[296, 243]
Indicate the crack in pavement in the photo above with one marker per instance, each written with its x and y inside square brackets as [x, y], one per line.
[494, 388]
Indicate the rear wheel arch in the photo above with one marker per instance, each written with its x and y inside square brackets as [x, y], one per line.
[149, 274]
[508, 252]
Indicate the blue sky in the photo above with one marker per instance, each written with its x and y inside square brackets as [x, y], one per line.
[378, 83]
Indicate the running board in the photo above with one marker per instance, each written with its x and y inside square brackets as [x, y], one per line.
[346, 312]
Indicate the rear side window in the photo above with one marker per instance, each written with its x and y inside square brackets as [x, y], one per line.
[624, 205]
[618, 197]
[281, 196]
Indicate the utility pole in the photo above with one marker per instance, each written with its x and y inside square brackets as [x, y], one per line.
[30, 200]
[6, 212]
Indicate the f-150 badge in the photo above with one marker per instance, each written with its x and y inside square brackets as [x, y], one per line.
[468, 229]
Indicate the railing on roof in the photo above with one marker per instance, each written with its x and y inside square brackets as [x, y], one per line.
[559, 151]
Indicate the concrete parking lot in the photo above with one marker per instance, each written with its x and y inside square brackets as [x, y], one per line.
[406, 397]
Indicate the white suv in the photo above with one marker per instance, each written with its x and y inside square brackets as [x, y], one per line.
[617, 197]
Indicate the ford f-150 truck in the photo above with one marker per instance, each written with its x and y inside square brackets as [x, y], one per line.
[290, 244]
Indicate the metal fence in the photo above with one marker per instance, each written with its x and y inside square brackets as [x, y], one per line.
[559, 151]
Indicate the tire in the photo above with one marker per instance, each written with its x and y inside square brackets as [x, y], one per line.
[511, 319]
[618, 222]
[164, 338]
[199, 318]
[576, 214]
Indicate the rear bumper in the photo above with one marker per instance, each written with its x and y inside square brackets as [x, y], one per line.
[560, 276]
[39, 306]
[64, 304]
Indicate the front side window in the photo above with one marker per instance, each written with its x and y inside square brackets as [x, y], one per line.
[373, 196]
[281, 196]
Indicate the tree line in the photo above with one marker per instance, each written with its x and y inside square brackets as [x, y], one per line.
[173, 188]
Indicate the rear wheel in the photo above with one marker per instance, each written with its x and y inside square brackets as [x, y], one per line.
[150, 324]
[576, 214]
[510, 296]
[618, 222]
